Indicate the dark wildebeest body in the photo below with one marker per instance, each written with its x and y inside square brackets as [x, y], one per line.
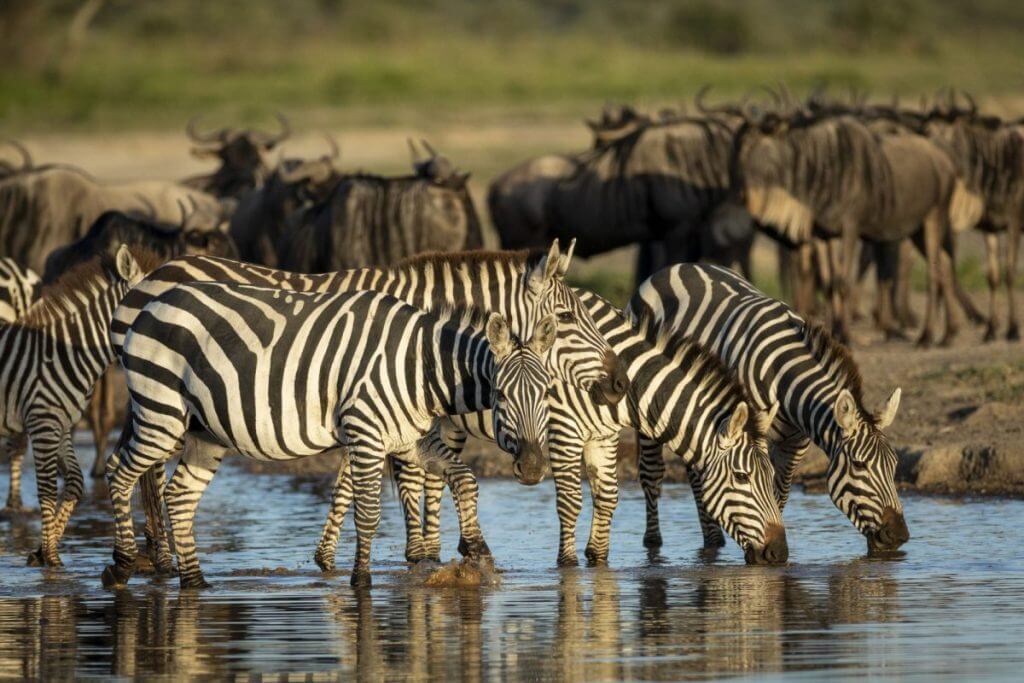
[46, 208]
[647, 182]
[834, 178]
[376, 221]
[106, 235]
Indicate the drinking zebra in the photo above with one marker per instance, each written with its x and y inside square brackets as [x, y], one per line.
[19, 288]
[781, 358]
[681, 396]
[50, 358]
[282, 375]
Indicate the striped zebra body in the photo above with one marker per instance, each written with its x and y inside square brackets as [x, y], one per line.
[682, 397]
[19, 289]
[781, 358]
[50, 358]
[282, 375]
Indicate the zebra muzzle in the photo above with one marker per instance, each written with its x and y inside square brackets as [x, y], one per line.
[775, 549]
[530, 465]
[612, 387]
[891, 533]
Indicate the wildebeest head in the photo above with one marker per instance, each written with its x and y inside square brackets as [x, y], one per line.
[296, 181]
[241, 152]
[203, 231]
[617, 121]
[436, 168]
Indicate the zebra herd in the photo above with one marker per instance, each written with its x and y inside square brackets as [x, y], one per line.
[404, 363]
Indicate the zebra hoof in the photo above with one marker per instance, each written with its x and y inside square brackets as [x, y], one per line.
[114, 576]
[195, 582]
[12, 511]
[37, 558]
[415, 556]
[361, 579]
[652, 539]
[595, 559]
[324, 560]
[463, 546]
[433, 557]
[568, 561]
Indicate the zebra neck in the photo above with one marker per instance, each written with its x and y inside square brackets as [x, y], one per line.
[458, 371]
[816, 416]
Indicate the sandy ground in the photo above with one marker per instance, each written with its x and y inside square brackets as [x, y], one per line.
[959, 428]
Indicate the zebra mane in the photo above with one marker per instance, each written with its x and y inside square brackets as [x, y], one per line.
[837, 360]
[523, 257]
[74, 289]
[690, 353]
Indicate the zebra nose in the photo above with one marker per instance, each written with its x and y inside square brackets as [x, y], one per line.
[530, 464]
[892, 532]
[615, 383]
[775, 550]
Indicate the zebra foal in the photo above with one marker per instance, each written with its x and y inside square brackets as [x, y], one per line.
[274, 374]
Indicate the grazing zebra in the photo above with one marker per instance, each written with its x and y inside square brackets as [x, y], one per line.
[681, 396]
[781, 358]
[19, 288]
[50, 358]
[280, 375]
[520, 286]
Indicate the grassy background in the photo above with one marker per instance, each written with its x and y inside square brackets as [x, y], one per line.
[149, 65]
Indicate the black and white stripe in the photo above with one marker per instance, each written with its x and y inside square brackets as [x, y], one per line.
[781, 358]
[682, 397]
[273, 374]
[50, 358]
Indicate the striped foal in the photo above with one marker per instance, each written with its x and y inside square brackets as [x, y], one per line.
[781, 358]
[283, 375]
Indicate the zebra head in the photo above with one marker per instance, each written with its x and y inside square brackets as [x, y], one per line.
[862, 473]
[581, 356]
[519, 389]
[739, 487]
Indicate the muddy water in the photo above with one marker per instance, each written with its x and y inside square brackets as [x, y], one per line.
[952, 606]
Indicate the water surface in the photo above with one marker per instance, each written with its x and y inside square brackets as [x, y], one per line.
[951, 607]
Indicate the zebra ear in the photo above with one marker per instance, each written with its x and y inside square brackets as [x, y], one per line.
[544, 336]
[545, 269]
[498, 336]
[765, 418]
[563, 263]
[888, 414]
[845, 411]
[127, 267]
[730, 432]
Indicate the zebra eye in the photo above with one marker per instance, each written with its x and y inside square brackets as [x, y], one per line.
[499, 395]
[552, 393]
[566, 317]
[859, 464]
[742, 477]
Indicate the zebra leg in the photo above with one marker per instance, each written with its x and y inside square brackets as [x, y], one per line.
[462, 482]
[433, 487]
[709, 528]
[409, 479]
[46, 445]
[199, 463]
[367, 466]
[14, 447]
[74, 486]
[566, 455]
[600, 459]
[150, 443]
[341, 500]
[651, 472]
[157, 545]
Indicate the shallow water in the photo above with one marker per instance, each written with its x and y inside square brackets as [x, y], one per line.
[951, 607]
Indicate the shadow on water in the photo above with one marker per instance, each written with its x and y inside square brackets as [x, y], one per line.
[939, 611]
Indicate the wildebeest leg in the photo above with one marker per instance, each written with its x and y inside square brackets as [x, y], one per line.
[929, 234]
[993, 276]
[14, 447]
[650, 258]
[861, 259]
[904, 312]
[599, 459]
[887, 267]
[1012, 245]
[651, 472]
[950, 283]
[804, 279]
[834, 288]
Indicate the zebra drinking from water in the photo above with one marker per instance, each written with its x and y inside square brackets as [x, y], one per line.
[282, 375]
[50, 359]
[681, 396]
[781, 358]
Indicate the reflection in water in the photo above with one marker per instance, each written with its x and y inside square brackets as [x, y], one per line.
[934, 613]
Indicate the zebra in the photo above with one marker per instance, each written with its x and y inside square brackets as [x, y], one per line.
[781, 358]
[523, 287]
[283, 375]
[50, 358]
[682, 396]
[19, 288]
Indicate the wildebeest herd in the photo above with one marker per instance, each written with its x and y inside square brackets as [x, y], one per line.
[290, 309]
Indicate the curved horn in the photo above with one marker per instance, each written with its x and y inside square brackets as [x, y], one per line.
[413, 152]
[335, 152]
[776, 97]
[184, 214]
[213, 136]
[426, 146]
[26, 158]
[970, 102]
[286, 129]
[698, 99]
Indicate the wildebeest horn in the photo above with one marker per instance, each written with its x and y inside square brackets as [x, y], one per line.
[286, 129]
[213, 136]
[26, 158]
[335, 152]
[970, 102]
[413, 152]
[776, 97]
[184, 214]
[698, 99]
[426, 146]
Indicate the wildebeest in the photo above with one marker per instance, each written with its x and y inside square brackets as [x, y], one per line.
[372, 220]
[195, 234]
[805, 174]
[8, 168]
[47, 207]
[646, 181]
[266, 214]
[242, 156]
